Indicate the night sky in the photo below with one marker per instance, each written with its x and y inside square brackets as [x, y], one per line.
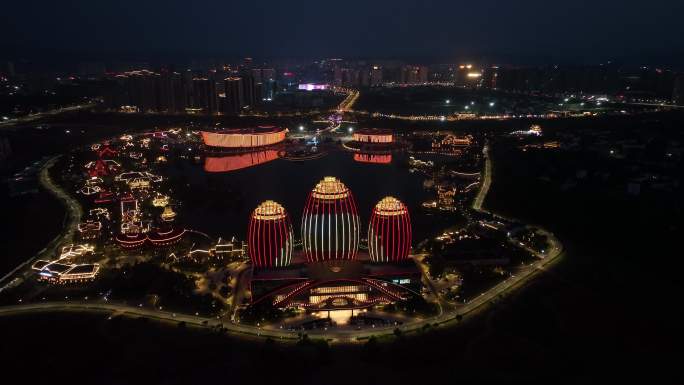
[579, 29]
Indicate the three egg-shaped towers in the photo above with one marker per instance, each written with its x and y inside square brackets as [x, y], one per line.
[270, 238]
[330, 229]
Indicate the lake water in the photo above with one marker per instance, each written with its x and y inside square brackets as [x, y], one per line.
[219, 203]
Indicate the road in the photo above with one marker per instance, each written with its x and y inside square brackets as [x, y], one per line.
[74, 212]
[487, 180]
[132, 311]
[32, 117]
[348, 102]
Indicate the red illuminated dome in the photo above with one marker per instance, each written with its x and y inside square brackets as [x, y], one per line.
[389, 231]
[330, 222]
[270, 236]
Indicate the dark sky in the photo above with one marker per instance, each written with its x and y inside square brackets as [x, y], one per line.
[577, 29]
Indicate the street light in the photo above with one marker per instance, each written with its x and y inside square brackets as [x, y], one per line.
[351, 129]
[301, 128]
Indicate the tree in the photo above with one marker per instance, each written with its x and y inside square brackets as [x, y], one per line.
[371, 349]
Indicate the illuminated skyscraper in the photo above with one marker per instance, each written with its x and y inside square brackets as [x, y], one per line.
[389, 231]
[204, 95]
[234, 100]
[330, 222]
[375, 76]
[270, 236]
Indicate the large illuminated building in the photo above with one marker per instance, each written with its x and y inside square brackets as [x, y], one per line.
[330, 274]
[330, 222]
[389, 231]
[244, 138]
[373, 136]
[270, 237]
[239, 161]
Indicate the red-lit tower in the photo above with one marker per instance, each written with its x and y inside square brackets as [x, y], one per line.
[389, 231]
[330, 222]
[270, 236]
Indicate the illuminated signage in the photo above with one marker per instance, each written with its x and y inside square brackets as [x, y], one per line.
[312, 87]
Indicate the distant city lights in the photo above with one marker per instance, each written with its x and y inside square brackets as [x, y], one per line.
[313, 87]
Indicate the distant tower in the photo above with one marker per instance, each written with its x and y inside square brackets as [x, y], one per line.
[234, 91]
[204, 95]
[389, 231]
[270, 237]
[375, 76]
[330, 222]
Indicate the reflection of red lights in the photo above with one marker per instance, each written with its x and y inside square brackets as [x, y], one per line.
[238, 161]
[373, 158]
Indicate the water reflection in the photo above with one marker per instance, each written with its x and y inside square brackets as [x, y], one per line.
[373, 158]
[238, 161]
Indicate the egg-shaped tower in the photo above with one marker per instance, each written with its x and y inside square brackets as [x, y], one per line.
[270, 238]
[330, 223]
[389, 231]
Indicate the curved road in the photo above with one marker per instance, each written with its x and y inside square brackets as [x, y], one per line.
[74, 212]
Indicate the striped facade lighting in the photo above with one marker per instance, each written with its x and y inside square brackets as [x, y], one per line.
[389, 231]
[270, 237]
[330, 222]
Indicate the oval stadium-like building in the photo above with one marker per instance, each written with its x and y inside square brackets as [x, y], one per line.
[330, 223]
[270, 237]
[242, 138]
[374, 135]
[389, 231]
